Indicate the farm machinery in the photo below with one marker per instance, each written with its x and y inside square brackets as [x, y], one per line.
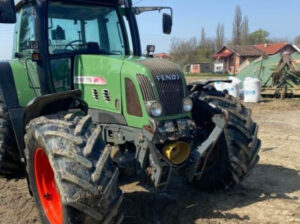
[77, 110]
[285, 79]
[279, 74]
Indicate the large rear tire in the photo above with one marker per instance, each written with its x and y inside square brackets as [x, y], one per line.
[236, 152]
[72, 177]
[10, 163]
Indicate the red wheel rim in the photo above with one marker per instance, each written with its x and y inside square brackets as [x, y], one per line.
[46, 187]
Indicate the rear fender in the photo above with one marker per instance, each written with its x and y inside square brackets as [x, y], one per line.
[40, 106]
[7, 86]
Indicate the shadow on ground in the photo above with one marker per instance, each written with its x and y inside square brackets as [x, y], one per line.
[185, 204]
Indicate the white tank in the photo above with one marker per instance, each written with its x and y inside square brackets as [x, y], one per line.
[220, 86]
[233, 88]
[238, 86]
[252, 90]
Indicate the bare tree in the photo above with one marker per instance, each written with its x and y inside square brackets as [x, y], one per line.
[237, 24]
[203, 38]
[184, 52]
[245, 31]
[220, 36]
[207, 46]
[297, 40]
[211, 47]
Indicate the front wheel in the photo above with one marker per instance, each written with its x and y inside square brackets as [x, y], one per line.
[71, 174]
[236, 152]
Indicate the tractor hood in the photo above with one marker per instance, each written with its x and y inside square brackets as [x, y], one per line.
[125, 85]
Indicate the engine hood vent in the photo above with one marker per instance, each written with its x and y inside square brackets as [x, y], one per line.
[146, 88]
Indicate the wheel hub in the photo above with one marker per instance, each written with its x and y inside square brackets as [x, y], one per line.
[46, 187]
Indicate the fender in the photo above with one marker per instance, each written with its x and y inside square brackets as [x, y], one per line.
[40, 106]
[7, 86]
[10, 97]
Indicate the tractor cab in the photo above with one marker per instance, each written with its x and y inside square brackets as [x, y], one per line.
[88, 29]
[52, 33]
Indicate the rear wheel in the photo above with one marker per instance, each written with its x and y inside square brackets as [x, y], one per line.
[70, 171]
[236, 152]
[10, 163]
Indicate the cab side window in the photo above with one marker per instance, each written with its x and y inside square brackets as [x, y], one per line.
[16, 33]
[27, 28]
[27, 34]
[115, 38]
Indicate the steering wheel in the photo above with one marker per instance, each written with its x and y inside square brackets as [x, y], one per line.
[71, 44]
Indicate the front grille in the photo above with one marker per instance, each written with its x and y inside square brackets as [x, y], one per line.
[146, 88]
[171, 91]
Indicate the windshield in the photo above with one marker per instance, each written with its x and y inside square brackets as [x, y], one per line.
[74, 28]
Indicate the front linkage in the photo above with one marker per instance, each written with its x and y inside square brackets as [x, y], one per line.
[221, 136]
[147, 153]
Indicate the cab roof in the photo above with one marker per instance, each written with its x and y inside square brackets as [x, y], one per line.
[19, 3]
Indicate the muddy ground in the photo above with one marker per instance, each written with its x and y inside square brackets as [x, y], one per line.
[270, 195]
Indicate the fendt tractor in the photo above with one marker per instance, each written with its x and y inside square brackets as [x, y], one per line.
[81, 106]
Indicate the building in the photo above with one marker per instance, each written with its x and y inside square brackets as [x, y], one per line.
[232, 59]
[198, 68]
[219, 67]
[277, 48]
[162, 56]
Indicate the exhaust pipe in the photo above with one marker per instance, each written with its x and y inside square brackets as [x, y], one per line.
[176, 152]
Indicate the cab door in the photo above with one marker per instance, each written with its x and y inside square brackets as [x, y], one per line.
[24, 69]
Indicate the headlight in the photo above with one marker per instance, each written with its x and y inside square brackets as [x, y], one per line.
[187, 105]
[154, 108]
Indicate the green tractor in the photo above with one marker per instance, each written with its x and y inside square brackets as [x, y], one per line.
[80, 106]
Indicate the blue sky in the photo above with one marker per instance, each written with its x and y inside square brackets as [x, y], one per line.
[276, 16]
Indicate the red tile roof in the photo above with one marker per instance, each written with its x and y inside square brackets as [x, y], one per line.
[271, 48]
[223, 54]
[240, 50]
[162, 55]
[246, 50]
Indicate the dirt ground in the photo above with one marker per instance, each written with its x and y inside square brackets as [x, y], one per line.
[270, 195]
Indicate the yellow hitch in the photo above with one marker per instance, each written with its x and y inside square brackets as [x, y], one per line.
[176, 152]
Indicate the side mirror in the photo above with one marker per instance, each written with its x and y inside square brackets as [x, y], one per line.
[7, 11]
[167, 23]
[167, 18]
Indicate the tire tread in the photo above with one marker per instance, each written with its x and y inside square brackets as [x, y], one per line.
[72, 156]
[240, 154]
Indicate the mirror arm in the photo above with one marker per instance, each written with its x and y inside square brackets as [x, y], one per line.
[139, 10]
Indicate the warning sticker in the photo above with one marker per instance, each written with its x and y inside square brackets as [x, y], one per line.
[91, 80]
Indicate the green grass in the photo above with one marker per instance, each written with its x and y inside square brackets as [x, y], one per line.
[205, 76]
[212, 75]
